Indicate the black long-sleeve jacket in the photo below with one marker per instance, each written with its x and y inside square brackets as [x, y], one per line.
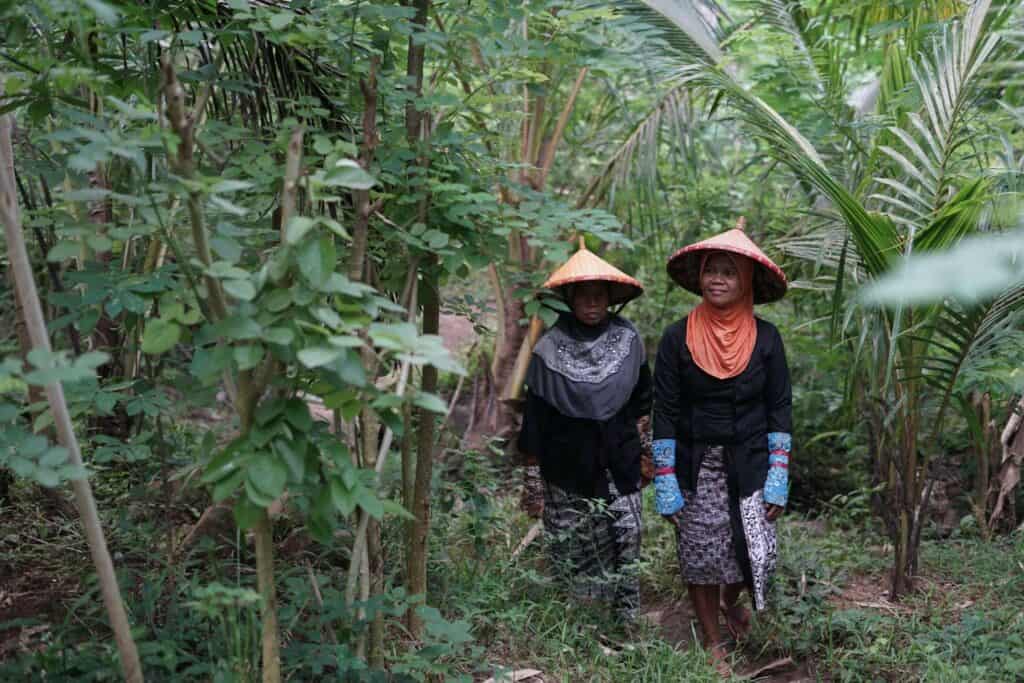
[698, 410]
[574, 453]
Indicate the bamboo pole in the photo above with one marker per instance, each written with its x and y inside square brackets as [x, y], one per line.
[514, 389]
[29, 299]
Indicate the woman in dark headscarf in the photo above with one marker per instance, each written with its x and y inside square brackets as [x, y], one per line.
[588, 384]
[722, 424]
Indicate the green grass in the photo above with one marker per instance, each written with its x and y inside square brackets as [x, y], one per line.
[828, 607]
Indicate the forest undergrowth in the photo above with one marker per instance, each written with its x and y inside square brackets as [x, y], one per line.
[496, 608]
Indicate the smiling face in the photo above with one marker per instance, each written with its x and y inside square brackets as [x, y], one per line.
[590, 302]
[720, 281]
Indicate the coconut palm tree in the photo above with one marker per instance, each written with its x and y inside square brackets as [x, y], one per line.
[915, 181]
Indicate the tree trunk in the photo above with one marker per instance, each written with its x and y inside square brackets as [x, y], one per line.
[417, 569]
[29, 299]
[264, 538]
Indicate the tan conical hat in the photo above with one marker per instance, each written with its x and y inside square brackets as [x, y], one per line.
[586, 266]
[770, 282]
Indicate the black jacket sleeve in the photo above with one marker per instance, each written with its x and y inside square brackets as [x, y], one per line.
[640, 400]
[667, 395]
[535, 426]
[778, 393]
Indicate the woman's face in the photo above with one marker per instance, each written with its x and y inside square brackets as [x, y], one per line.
[590, 302]
[720, 281]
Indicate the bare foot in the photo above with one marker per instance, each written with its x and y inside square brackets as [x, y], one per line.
[720, 661]
[737, 620]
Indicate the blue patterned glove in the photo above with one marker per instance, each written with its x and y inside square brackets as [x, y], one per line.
[668, 499]
[776, 486]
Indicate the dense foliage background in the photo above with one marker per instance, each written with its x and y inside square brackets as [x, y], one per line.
[287, 254]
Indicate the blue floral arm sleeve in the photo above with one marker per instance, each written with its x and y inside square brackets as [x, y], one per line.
[668, 499]
[776, 486]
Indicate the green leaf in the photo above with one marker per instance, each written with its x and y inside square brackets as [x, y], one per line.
[160, 336]
[316, 261]
[64, 249]
[269, 475]
[33, 446]
[317, 356]
[242, 290]
[294, 459]
[277, 300]
[297, 414]
[395, 509]
[430, 402]
[298, 226]
[57, 455]
[348, 173]
[106, 13]
[369, 502]
[240, 327]
[343, 498]
[247, 513]
[281, 20]
[249, 356]
[227, 486]
[47, 477]
[279, 335]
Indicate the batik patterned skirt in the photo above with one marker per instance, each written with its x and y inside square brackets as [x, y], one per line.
[594, 545]
[707, 549]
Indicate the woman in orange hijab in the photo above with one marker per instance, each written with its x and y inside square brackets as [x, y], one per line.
[722, 424]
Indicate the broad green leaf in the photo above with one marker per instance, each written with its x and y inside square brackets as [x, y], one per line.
[297, 414]
[394, 508]
[281, 20]
[319, 355]
[277, 300]
[343, 498]
[298, 226]
[64, 249]
[240, 289]
[367, 500]
[316, 261]
[279, 335]
[293, 458]
[348, 173]
[268, 474]
[160, 336]
[430, 402]
[227, 486]
[248, 356]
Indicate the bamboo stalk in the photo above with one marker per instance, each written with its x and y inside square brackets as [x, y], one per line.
[514, 389]
[29, 298]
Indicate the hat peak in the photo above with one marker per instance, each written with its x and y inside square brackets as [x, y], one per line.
[741, 224]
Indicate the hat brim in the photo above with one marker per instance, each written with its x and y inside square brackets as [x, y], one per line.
[620, 290]
[770, 282]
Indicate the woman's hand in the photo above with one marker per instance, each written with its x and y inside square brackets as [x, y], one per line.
[772, 512]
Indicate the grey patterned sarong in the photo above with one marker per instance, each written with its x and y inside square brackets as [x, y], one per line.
[706, 548]
[594, 545]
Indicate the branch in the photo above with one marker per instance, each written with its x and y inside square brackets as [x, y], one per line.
[548, 155]
[36, 324]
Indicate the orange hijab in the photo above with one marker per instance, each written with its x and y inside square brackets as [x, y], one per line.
[721, 341]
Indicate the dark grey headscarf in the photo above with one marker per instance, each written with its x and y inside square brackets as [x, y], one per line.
[587, 372]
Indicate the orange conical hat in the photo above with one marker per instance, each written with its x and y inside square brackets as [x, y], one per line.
[586, 266]
[770, 282]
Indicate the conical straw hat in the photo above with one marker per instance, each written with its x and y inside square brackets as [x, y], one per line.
[586, 266]
[770, 282]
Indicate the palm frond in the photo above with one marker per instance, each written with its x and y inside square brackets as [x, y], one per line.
[686, 28]
[639, 152]
[947, 78]
[962, 335]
